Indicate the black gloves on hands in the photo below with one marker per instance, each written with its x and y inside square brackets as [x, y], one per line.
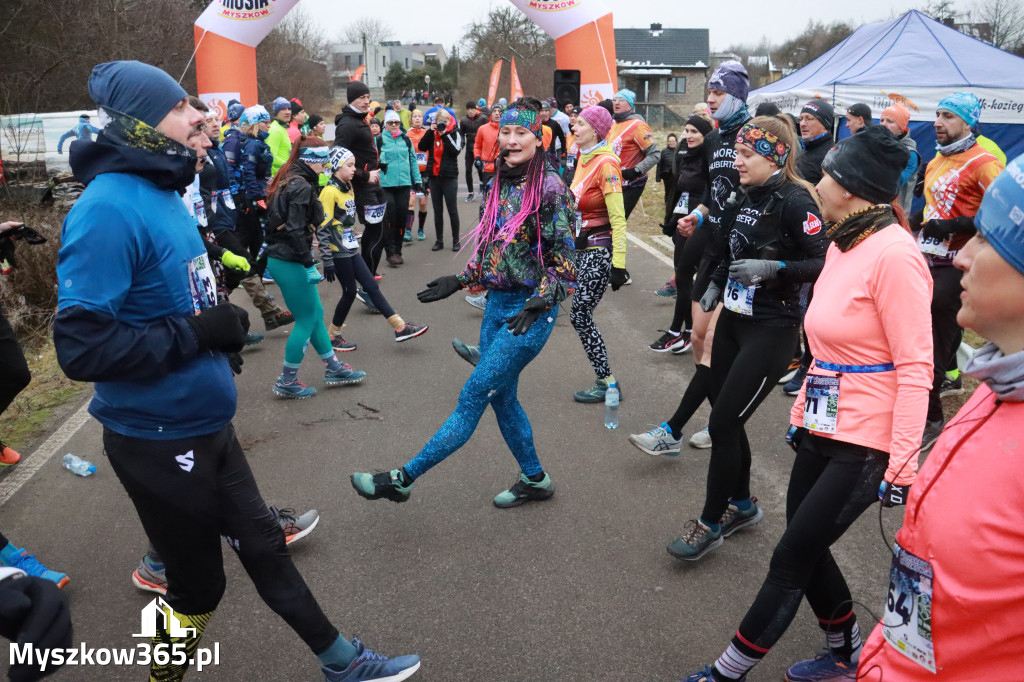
[893, 495]
[479, 163]
[329, 271]
[794, 436]
[521, 322]
[618, 278]
[33, 610]
[442, 287]
[630, 174]
[222, 327]
[940, 229]
[236, 362]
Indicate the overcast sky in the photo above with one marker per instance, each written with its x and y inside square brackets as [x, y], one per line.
[742, 21]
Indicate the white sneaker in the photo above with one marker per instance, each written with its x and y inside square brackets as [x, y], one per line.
[657, 441]
[701, 440]
[477, 300]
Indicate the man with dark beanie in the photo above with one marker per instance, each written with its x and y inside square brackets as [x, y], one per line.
[352, 132]
[139, 328]
[817, 120]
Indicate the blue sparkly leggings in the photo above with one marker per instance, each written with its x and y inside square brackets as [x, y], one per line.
[495, 381]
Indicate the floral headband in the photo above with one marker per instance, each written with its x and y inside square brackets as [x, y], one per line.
[522, 117]
[764, 143]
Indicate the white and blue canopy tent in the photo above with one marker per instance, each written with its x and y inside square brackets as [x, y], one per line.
[916, 61]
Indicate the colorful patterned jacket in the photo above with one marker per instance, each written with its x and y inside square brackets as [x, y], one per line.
[517, 266]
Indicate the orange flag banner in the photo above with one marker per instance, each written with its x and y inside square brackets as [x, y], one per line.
[358, 75]
[492, 89]
[517, 88]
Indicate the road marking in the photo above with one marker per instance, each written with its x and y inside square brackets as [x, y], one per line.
[650, 249]
[26, 469]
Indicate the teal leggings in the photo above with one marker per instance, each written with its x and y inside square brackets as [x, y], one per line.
[303, 301]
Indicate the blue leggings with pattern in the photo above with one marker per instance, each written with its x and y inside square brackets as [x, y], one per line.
[494, 382]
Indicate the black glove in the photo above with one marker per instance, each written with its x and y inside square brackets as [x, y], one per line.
[329, 271]
[669, 229]
[7, 252]
[33, 610]
[940, 229]
[479, 163]
[417, 188]
[521, 322]
[893, 495]
[236, 362]
[629, 174]
[618, 278]
[794, 436]
[222, 327]
[442, 287]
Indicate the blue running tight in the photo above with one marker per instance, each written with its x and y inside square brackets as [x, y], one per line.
[494, 382]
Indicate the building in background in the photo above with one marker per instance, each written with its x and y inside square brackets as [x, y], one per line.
[666, 68]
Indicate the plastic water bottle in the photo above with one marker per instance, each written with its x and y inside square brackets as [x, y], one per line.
[77, 465]
[611, 407]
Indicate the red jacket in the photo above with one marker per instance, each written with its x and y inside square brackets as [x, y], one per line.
[485, 146]
[963, 518]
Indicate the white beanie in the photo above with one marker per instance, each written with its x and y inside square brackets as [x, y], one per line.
[392, 115]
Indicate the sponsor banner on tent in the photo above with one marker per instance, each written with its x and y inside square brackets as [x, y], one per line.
[998, 105]
[244, 21]
[558, 17]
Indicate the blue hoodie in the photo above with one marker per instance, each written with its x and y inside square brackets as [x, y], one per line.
[131, 269]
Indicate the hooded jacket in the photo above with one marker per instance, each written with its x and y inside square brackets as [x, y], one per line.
[293, 215]
[443, 153]
[353, 133]
[131, 269]
[255, 169]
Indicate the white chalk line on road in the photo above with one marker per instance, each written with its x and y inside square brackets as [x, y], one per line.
[650, 249]
[27, 468]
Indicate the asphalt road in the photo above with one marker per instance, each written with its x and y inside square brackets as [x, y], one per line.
[576, 588]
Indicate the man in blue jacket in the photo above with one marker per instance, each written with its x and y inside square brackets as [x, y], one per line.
[132, 319]
[83, 130]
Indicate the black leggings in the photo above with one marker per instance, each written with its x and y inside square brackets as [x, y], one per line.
[831, 485]
[747, 360]
[190, 492]
[945, 330]
[444, 191]
[14, 374]
[471, 166]
[397, 199]
[688, 253]
[374, 236]
[349, 271]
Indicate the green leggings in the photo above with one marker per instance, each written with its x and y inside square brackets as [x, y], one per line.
[303, 301]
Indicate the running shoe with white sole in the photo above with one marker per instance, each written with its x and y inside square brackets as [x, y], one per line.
[669, 341]
[668, 290]
[701, 440]
[657, 441]
[343, 376]
[477, 300]
[410, 331]
[794, 367]
[951, 386]
[369, 667]
[340, 345]
[150, 577]
[733, 519]
[292, 389]
[697, 541]
[684, 348]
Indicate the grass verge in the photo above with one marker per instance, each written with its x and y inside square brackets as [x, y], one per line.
[26, 419]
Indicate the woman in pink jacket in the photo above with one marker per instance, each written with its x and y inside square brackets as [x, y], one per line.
[858, 421]
[954, 602]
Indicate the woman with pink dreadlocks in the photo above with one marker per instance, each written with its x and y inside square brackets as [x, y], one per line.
[523, 254]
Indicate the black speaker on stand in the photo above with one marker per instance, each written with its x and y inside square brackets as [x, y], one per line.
[567, 87]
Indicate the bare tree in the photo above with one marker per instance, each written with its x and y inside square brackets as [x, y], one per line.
[293, 63]
[504, 34]
[1005, 20]
[374, 29]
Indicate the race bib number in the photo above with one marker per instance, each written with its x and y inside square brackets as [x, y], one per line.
[821, 404]
[907, 624]
[738, 298]
[374, 213]
[229, 200]
[202, 283]
[934, 246]
[570, 162]
[683, 205]
[579, 224]
[349, 241]
[421, 158]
